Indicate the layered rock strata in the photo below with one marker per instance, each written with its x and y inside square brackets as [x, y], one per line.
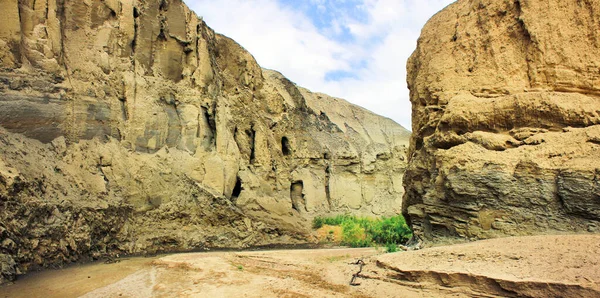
[132, 127]
[506, 120]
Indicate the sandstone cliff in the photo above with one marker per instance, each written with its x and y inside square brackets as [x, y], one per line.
[129, 126]
[506, 114]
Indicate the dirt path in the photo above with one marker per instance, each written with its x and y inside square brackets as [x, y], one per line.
[544, 266]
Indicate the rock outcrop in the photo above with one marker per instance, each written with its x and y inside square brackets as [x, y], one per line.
[506, 120]
[530, 266]
[132, 127]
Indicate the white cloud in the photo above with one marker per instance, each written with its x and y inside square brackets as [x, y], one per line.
[283, 37]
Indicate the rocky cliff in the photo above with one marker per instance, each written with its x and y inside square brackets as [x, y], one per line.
[129, 126]
[506, 114]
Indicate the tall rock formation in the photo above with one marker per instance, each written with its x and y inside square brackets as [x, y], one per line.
[506, 114]
[129, 126]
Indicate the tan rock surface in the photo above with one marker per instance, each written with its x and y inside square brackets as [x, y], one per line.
[132, 127]
[505, 114]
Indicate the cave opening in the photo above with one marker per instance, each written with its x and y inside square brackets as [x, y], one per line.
[237, 189]
[286, 149]
[297, 195]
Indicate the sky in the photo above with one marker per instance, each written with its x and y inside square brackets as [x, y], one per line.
[351, 49]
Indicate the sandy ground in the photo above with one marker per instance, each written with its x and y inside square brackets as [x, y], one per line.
[541, 266]
[285, 273]
[536, 266]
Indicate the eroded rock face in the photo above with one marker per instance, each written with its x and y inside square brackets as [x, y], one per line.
[131, 127]
[506, 121]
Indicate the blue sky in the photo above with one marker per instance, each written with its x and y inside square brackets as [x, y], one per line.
[351, 49]
[327, 14]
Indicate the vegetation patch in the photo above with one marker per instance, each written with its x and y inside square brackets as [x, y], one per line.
[364, 231]
[329, 234]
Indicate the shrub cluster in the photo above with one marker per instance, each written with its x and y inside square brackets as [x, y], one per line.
[364, 231]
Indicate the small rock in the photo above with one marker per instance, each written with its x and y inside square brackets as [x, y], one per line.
[16, 84]
[8, 244]
[7, 268]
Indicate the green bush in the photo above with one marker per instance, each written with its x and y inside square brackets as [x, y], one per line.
[337, 220]
[391, 247]
[363, 231]
[318, 222]
[390, 230]
[354, 235]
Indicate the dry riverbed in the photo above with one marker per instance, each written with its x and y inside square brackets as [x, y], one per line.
[541, 266]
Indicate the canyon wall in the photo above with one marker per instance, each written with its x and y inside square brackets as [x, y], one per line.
[131, 127]
[506, 120]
